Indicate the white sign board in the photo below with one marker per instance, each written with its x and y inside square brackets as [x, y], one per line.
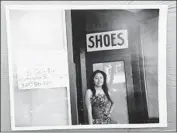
[42, 69]
[110, 40]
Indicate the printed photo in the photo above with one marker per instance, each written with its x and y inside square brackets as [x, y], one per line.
[120, 63]
[86, 67]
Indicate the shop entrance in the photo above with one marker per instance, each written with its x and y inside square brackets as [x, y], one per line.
[121, 65]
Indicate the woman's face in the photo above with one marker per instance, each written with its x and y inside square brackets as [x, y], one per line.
[98, 80]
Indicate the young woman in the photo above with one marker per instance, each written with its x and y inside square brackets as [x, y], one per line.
[98, 102]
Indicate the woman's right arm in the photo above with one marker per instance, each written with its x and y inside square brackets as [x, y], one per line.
[89, 106]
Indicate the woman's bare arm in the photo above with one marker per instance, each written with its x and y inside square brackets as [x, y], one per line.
[112, 106]
[89, 106]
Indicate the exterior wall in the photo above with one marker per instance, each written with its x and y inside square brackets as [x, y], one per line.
[37, 107]
[149, 42]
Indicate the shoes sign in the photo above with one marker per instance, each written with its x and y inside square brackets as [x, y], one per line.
[110, 40]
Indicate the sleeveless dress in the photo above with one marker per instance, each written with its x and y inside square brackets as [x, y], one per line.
[100, 109]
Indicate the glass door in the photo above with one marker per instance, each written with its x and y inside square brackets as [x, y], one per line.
[116, 81]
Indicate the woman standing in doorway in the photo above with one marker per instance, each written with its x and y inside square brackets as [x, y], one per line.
[98, 102]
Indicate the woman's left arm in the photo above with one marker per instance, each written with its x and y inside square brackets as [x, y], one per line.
[112, 104]
[112, 108]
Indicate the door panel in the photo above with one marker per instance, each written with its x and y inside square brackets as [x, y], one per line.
[116, 81]
[117, 65]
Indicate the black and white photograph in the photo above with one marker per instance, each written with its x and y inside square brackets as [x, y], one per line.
[119, 62]
[87, 67]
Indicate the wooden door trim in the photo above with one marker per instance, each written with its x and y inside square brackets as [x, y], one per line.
[83, 83]
[71, 68]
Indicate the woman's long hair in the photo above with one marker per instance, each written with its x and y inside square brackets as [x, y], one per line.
[104, 87]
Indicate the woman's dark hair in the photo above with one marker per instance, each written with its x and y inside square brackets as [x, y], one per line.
[104, 87]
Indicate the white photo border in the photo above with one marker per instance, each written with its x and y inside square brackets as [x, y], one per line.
[162, 35]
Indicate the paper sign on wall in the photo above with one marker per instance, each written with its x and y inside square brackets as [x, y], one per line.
[42, 69]
[111, 40]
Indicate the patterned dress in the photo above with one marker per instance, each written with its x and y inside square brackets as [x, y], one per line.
[100, 109]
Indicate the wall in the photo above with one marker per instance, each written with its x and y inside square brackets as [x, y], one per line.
[171, 68]
[149, 41]
[39, 39]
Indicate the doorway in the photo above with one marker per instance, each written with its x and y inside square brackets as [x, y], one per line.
[121, 65]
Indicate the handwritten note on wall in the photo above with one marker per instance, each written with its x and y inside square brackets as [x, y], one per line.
[42, 69]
